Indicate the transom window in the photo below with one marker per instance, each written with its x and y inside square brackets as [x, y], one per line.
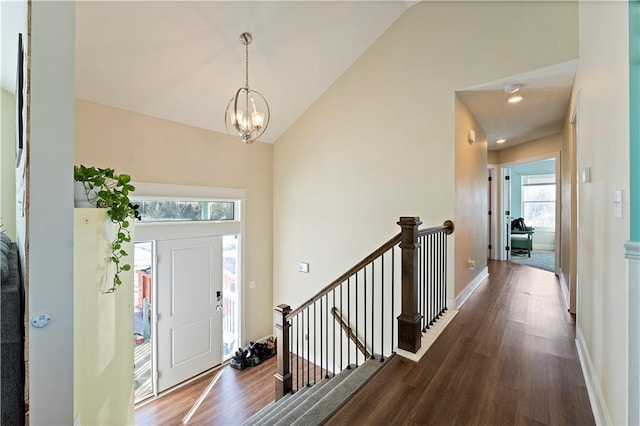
[539, 200]
[186, 211]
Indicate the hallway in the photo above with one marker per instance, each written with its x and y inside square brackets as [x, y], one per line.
[508, 357]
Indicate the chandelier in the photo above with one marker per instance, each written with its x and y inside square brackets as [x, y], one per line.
[247, 115]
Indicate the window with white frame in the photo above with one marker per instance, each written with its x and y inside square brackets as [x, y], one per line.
[190, 211]
[539, 200]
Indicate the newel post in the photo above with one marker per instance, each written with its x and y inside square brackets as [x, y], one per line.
[283, 374]
[409, 333]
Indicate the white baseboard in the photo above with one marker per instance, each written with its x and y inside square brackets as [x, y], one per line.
[598, 405]
[548, 247]
[429, 337]
[469, 289]
[564, 286]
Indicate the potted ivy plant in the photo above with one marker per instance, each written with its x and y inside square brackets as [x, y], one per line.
[103, 188]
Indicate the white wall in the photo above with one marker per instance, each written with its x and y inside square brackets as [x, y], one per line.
[602, 85]
[50, 211]
[379, 143]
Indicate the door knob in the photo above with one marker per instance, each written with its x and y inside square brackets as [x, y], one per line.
[219, 308]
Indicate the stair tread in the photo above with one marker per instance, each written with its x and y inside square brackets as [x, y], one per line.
[264, 416]
[325, 386]
[332, 399]
[274, 411]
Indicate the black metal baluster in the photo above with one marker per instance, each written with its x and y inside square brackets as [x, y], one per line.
[439, 278]
[298, 349]
[364, 270]
[434, 275]
[427, 281]
[315, 345]
[321, 327]
[434, 285]
[326, 315]
[373, 306]
[334, 333]
[308, 349]
[393, 293]
[424, 282]
[382, 311]
[341, 338]
[356, 332]
[439, 282]
[444, 275]
[348, 323]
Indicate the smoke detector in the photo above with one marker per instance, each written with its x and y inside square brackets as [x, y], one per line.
[513, 88]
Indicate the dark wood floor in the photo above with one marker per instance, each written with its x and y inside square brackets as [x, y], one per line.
[236, 396]
[507, 358]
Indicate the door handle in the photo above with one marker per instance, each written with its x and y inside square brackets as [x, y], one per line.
[218, 308]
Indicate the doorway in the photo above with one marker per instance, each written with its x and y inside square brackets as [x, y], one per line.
[531, 193]
[187, 292]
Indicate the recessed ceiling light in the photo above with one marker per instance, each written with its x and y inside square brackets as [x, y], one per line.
[514, 99]
[501, 140]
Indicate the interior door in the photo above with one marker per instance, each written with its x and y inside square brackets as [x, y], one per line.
[189, 308]
[507, 211]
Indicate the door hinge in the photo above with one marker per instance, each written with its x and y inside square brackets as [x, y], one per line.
[489, 212]
[508, 213]
[490, 179]
[507, 178]
[507, 248]
[489, 246]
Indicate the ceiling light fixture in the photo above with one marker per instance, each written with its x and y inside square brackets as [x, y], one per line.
[501, 140]
[247, 115]
[514, 99]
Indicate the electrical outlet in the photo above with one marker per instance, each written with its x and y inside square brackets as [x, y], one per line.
[303, 267]
[471, 264]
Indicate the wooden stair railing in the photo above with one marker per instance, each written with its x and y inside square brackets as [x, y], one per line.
[350, 334]
[423, 301]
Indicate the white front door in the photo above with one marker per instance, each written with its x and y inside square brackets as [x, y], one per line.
[189, 308]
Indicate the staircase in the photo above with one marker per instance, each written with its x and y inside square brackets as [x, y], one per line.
[313, 404]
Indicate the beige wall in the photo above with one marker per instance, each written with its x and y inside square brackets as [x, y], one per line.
[533, 150]
[102, 326]
[160, 151]
[471, 198]
[8, 165]
[492, 157]
[383, 134]
[602, 94]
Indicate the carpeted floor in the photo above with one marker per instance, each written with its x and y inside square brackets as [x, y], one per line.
[541, 259]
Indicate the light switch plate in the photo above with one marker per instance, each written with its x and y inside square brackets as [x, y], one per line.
[617, 204]
[303, 267]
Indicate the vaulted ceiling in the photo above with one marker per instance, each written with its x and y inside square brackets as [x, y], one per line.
[182, 61]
